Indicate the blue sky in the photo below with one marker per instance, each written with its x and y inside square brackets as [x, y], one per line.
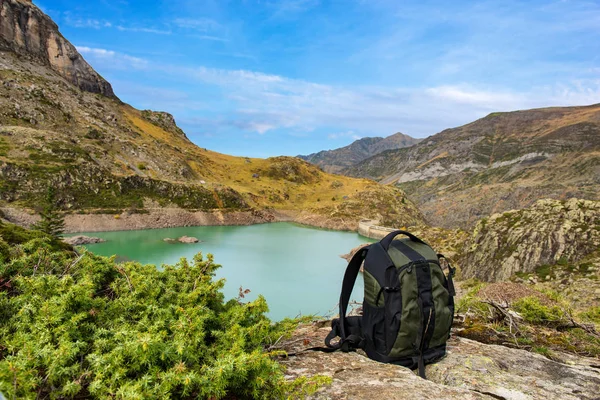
[266, 77]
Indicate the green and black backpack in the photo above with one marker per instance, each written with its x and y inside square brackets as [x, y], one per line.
[408, 304]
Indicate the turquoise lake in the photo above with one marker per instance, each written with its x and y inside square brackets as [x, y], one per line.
[297, 269]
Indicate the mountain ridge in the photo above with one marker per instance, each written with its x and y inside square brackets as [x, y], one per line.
[336, 160]
[500, 162]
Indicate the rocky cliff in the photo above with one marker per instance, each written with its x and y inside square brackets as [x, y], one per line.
[336, 160]
[26, 31]
[501, 162]
[548, 233]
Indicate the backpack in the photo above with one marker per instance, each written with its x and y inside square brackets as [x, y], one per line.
[408, 304]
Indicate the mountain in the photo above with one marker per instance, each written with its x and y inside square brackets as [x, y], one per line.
[62, 125]
[334, 161]
[501, 162]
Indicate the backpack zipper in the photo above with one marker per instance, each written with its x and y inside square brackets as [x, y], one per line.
[387, 289]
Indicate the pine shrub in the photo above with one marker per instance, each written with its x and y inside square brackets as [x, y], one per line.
[52, 221]
[86, 327]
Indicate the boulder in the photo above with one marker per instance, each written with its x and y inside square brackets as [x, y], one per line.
[80, 240]
[187, 239]
[471, 370]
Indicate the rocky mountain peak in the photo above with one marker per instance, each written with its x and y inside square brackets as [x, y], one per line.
[26, 31]
[338, 159]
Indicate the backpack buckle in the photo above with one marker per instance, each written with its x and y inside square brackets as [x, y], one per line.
[352, 343]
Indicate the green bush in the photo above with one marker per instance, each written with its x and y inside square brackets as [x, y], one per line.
[533, 311]
[87, 327]
[4, 251]
[592, 314]
[14, 234]
[470, 302]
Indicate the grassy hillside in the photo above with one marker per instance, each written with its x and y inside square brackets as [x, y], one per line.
[105, 155]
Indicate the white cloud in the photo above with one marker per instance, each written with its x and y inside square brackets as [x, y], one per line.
[118, 60]
[208, 37]
[475, 97]
[258, 102]
[89, 23]
[341, 135]
[76, 21]
[261, 128]
[95, 51]
[279, 102]
[199, 24]
[204, 28]
[143, 30]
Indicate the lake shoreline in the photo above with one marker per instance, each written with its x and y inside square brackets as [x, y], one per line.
[296, 268]
[158, 218]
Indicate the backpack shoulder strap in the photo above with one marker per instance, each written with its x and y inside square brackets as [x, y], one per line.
[347, 329]
[347, 286]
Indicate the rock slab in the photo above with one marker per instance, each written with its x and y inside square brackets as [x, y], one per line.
[80, 240]
[471, 370]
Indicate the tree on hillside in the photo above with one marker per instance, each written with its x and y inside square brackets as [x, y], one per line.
[52, 221]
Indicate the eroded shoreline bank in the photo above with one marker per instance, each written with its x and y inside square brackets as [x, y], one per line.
[157, 218]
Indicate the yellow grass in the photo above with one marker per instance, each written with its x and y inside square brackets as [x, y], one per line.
[236, 172]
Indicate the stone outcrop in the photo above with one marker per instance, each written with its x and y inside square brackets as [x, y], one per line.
[188, 239]
[183, 239]
[28, 32]
[80, 240]
[164, 120]
[471, 370]
[549, 232]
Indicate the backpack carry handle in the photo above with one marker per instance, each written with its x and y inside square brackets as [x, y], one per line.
[387, 241]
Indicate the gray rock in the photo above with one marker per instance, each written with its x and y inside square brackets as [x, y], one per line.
[520, 241]
[188, 239]
[79, 240]
[28, 32]
[471, 370]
